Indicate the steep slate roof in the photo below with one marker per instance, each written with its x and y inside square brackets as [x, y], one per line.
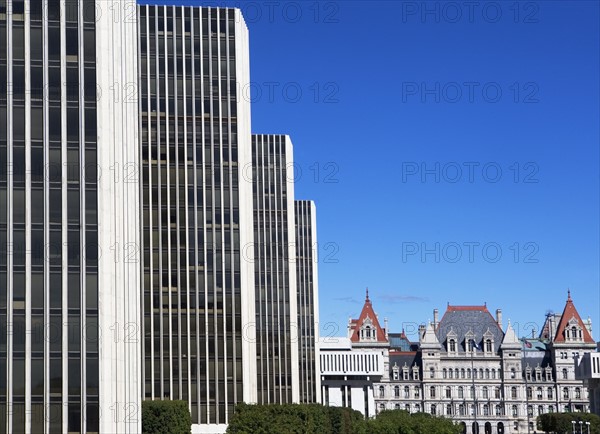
[367, 312]
[568, 314]
[462, 319]
[408, 357]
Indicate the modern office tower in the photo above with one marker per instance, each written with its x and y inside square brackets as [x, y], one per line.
[69, 270]
[274, 260]
[308, 300]
[198, 287]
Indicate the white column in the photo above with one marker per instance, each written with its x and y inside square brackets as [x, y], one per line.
[119, 289]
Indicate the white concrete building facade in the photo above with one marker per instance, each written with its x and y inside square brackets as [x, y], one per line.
[69, 224]
[197, 211]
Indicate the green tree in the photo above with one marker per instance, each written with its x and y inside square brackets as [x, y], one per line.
[166, 417]
[562, 422]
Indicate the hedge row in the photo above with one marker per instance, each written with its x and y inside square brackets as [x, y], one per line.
[318, 419]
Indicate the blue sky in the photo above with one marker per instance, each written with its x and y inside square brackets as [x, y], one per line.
[470, 133]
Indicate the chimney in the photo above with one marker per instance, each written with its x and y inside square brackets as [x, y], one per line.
[436, 314]
[385, 324]
[499, 318]
[421, 330]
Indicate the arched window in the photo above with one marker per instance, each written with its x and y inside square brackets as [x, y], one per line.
[461, 392]
[566, 393]
[497, 393]
[472, 389]
[529, 410]
[577, 393]
[513, 392]
[432, 392]
[539, 393]
[407, 407]
[498, 410]
[515, 411]
[445, 373]
[417, 408]
[565, 373]
[488, 345]
[396, 406]
[487, 428]
[513, 373]
[417, 392]
[486, 410]
[540, 409]
[493, 374]
[406, 392]
[448, 392]
[462, 373]
[550, 393]
[456, 372]
[381, 391]
[433, 409]
[485, 392]
[449, 409]
[397, 391]
[529, 393]
[461, 409]
[450, 373]
[452, 345]
[487, 374]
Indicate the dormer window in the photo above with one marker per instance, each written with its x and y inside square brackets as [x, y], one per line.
[405, 372]
[488, 342]
[470, 341]
[368, 332]
[573, 331]
[538, 373]
[415, 372]
[396, 372]
[451, 339]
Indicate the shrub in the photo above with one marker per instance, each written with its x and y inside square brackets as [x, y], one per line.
[561, 422]
[166, 416]
[295, 419]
